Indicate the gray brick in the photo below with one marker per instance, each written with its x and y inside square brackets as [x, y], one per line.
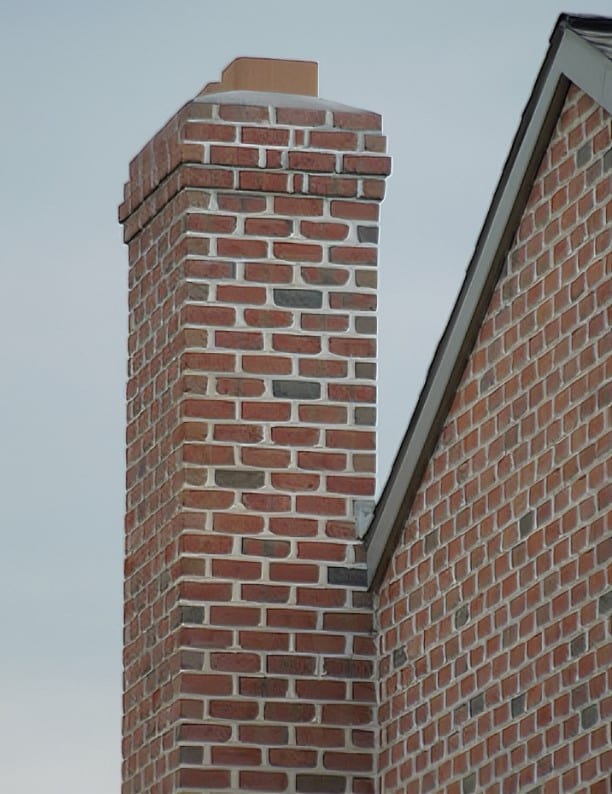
[297, 389]
[578, 645]
[487, 380]
[476, 705]
[367, 234]
[460, 714]
[527, 523]
[607, 160]
[588, 717]
[399, 657]
[605, 602]
[320, 784]
[298, 298]
[431, 541]
[517, 705]
[461, 616]
[349, 577]
[365, 370]
[238, 478]
[192, 660]
[196, 291]
[361, 600]
[583, 155]
[366, 278]
[365, 325]
[192, 614]
[580, 696]
[543, 614]
[191, 755]
[468, 784]
[365, 415]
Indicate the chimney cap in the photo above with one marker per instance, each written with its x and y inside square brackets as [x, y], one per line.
[268, 75]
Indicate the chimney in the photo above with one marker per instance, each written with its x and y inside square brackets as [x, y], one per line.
[251, 220]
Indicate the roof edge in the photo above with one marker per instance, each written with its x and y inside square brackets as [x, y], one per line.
[569, 59]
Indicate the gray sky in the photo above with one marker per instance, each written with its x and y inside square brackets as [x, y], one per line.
[83, 85]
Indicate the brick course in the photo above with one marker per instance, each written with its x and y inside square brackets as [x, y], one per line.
[247, 665]
[494, 647]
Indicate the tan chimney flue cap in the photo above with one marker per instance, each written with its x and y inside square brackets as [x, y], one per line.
[268, 74]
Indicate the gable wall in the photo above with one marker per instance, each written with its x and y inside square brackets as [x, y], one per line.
[494, 648]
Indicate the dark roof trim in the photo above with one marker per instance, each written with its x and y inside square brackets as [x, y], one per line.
[580, 52]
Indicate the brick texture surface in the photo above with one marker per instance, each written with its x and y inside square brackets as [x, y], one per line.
[494, 645]
[249, 654]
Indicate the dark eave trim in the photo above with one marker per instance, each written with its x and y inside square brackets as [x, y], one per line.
[570, 59]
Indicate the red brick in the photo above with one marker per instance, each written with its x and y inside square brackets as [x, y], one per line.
[211, 362]
[324, 230]
[267, 411]
[332, 186]
[295, 343]
[293, 481]
[271, 364]
[263, 181]
[238, 202]
[326, 414]
[350, 439]
[210, 224]
[240, 523]
[321, 505]
[371, 164]
[204, 176]
[323, 461]
[234, 616]
[234, 155]
[241, 249]
[243, 113]
[312, 161]
[267, 503]
[295, 436]
[349, 120]
[301, 117]
[298, 252]
[320, 139]
[268, 227]
[355, 210]
[240, 387]
[325, 275]
[266, 136]
[293, 527]
[240, 340]
[268, 318]
[353, 255]
[200, 131]
[209, 315]
[298, 205]
[271, 273]
[236, 756]
[347, 346]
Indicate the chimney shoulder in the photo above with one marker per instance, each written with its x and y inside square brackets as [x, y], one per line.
[252, 221]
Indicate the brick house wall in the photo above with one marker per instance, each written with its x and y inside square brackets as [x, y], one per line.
[494, 613]
[249, 656]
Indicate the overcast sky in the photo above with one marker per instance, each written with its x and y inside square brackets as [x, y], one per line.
[83, 85]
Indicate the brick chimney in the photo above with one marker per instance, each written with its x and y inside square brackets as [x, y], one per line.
[251, 220]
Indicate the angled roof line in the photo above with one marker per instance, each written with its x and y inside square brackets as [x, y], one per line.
[580, 52]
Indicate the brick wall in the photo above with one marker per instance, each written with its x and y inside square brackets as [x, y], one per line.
[494, 648]
[249, 655]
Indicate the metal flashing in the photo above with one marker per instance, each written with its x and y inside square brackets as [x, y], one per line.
[580, 53]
